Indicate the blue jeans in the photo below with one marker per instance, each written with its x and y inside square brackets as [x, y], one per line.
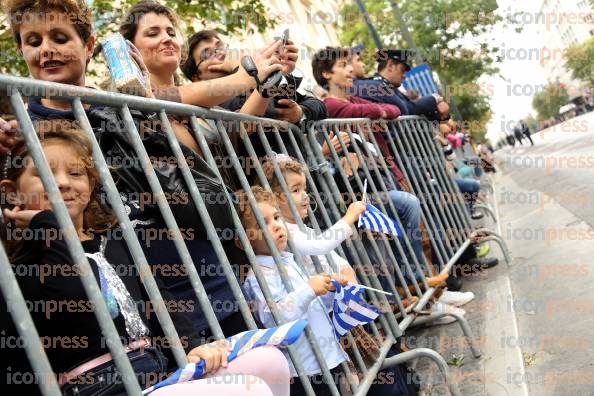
[469, 189]
[408, 209]
[149, 364]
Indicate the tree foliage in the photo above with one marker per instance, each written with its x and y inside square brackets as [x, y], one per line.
[225, 16]
[578, 59]
[548, 102]
[440, 30]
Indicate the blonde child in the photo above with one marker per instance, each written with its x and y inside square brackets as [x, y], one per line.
[310, 299]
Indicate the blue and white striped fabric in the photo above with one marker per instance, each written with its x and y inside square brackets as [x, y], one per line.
[349, 309]
[374, 220]
[280, 336]
[421, 79]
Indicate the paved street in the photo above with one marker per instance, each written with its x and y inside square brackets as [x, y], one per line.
[534, 319]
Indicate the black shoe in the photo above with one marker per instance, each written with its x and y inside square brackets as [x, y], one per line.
[477, 215]
[454, 283]
[474, 266]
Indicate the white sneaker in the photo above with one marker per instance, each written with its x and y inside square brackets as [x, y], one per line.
[457, 299]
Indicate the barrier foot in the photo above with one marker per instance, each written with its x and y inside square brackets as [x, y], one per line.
[493, 236]
[431, 354]
[462, 321]
[487, 209]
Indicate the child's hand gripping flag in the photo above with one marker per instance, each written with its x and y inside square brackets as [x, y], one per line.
[349, 308]
[374, 220]
[280, 336]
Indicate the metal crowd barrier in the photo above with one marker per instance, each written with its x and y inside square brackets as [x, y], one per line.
[410, 142]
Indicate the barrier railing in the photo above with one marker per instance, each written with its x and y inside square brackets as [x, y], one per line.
[401, 270]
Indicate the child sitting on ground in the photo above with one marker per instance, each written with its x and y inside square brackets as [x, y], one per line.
[311, 298]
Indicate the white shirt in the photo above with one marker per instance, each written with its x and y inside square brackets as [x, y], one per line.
[301, 303]
[311, 244]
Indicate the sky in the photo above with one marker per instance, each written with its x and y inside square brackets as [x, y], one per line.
[518, 79]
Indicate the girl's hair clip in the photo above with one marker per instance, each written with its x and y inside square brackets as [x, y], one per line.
[279, 157]
[5, 166]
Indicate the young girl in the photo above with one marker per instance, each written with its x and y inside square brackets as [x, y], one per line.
[70, 333]
[308, 243]
[311, 298]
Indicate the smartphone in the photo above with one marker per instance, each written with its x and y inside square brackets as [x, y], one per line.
[283, 37]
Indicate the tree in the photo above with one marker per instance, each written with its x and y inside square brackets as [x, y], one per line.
[578, 59]
[439, 28]
[548, 102]
[225, 16]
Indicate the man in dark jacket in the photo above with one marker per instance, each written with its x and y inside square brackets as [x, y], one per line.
[392, 64]
[205, 62]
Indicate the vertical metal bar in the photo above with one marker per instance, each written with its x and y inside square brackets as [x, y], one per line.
[428, 146]
[427, 202]
[374, 280]
[171, 224]
[16, 305]
[436, 242]
[276, 256]
[74, 246]
[198, 201]
[132, 242]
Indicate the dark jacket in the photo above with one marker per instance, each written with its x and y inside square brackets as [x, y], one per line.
[313, 109]
[378, 89]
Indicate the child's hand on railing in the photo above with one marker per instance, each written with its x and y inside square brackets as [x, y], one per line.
[22, 218]
[214, 355]
[353, 212]
[8, 131]
[348, 170]
[346, 139]
[321, 284]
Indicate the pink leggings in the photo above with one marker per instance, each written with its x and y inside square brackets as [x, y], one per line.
[262, 371]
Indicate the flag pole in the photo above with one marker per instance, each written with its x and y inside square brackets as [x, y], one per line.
[364, 201]
[372, 289]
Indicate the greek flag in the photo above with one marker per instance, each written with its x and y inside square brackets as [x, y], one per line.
[375, 220]
[349, 309]
[279, 336]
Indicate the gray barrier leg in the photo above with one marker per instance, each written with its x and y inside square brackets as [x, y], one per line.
[431, 354]
[462, 321]
[487, 209]
[493, 236]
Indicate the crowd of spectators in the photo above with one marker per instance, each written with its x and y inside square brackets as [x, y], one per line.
[58, 50]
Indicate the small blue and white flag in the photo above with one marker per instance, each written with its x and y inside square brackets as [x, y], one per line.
[374, 220]
[349, 308]
[280, 336]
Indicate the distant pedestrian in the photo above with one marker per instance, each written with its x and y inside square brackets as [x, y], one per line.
[526, 131]
[518, 134]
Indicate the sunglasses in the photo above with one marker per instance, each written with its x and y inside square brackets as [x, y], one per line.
[211, 53]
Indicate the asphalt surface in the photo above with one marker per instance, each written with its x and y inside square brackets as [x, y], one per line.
[534, 318]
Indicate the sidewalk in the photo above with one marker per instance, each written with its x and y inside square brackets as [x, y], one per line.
[533, 319]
